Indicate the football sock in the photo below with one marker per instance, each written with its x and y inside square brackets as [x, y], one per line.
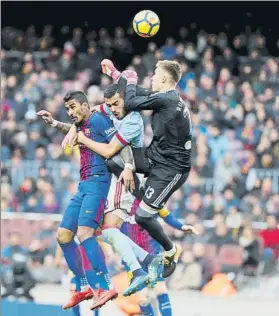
[164, 304]
[122, 246]
[73, 258]
[96, 258]
[171, 252]
[147, 310]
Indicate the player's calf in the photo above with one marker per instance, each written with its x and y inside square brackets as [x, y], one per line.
[145, 218]
[72, 256]
[95, 256]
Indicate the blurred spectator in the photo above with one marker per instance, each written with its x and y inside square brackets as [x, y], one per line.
[149, 58]
[188, 274]
[37, 252]
[169, 49]
[251, 246]
[270, 237]
[221, 236]
[199, 251]
[16, 277]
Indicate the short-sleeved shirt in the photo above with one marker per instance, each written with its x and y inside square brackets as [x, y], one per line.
[129, 130]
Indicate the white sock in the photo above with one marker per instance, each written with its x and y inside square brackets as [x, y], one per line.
[171, 252]
[138, 251]
[122, 246]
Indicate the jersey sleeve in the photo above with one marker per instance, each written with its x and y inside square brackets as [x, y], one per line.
[139, 103]
[140, 91]
[170, 219]
[129, 131]
[105, 110]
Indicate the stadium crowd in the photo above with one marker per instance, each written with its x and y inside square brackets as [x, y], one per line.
[233, 91]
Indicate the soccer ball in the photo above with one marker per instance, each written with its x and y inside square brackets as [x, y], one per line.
[146, 23]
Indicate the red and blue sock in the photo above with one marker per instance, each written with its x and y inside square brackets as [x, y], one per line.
[96, 258]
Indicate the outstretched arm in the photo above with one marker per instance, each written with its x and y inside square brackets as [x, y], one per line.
[49, 120]
[175, 223]
[63, 127]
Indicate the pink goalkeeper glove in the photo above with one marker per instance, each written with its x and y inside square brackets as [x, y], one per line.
[109, 69]
[131, 76]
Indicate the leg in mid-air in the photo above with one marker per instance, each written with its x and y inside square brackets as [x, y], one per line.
[71, 252]
[163, 298]
[119, 206]
[76, 309]
[160, 185]
[145, 303]
[84, 215]
[160, 293]
[143, 239]
[90, 220]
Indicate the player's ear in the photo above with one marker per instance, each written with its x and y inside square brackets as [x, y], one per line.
[85, 105]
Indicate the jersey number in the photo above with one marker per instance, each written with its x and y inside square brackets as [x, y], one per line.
[149, 192]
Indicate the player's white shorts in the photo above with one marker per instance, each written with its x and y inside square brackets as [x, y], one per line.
[119, 202]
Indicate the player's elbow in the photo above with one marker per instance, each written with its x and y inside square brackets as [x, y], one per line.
[129, 105]
[110, 152]
[108, 155]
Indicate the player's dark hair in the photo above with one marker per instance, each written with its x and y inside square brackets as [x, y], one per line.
[172, 67]
[111, 90]
[79, 96]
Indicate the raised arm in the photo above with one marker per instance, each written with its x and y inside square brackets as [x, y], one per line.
[49, 120]
[135, 102]
[140, 91]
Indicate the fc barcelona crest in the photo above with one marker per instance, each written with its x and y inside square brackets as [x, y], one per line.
[87, 132]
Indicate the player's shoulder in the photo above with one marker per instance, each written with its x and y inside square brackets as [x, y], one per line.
[98, 117]
[133, 118]
[173, 95]
[158, 95]
[166, 98]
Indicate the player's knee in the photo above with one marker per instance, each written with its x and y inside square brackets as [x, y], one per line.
[112, 221]
[143, 297]
[64, 236]
[142, 221]
[160, 288]
[84, 233]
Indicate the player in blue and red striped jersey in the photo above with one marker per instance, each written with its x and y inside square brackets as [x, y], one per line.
[84, 215]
